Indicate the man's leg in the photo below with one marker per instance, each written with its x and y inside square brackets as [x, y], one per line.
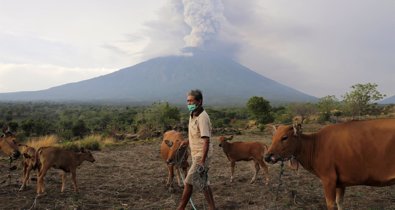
[186, 194]
[209, 197]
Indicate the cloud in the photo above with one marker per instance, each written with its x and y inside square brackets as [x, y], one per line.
[22, 77]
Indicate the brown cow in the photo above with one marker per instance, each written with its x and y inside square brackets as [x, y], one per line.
[174, 156]
[245, 151]
[8, 146]
[28, 163]
[341, 155]
[60, 158]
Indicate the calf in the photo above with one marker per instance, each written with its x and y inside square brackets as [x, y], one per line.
[246, 151]
[28, 163]
[174, 155]
[8, 146]
[60, 158]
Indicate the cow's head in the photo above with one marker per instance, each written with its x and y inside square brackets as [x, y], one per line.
[223, 139]
[284, 143]
[87, 155]
[9, 146]
[174, 149]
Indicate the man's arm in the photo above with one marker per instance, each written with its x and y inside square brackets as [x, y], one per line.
[205, 149]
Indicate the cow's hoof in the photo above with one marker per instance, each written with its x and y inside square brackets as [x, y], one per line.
[41, 194]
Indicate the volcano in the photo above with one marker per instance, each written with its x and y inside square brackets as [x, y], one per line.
[222, 80]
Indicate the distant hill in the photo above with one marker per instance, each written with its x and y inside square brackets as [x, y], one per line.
[222, 80]
[389, 100]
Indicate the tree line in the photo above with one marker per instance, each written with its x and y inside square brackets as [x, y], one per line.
[74, 121]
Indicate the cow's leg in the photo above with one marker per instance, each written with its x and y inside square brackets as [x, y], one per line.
[256, 172]
[27, 176]
[24, 171]
[63, 175]
[170, 177]
[28, 170]
[265, 170]
[232, 170]
[24, 181]
[330, 193]
[74, 177]
[40, 180]
[339, 197]
[178, 176]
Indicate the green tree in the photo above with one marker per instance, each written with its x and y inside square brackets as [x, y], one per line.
[158, 117]
[79, 129]
[326, 105]
[304, 110]
[260, 109]
[361, 100]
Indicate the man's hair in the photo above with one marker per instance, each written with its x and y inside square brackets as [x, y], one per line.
[197, 94]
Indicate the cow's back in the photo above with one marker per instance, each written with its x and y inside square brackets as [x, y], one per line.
[58, 156]
[361, 152]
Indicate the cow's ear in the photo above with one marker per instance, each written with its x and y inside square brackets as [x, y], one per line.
[274, 129]
[297, 129]
[82, 149]
[168, 143]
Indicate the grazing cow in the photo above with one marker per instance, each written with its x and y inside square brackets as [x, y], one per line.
[340, 155]
[246, 151]
[60, 158]
[174, 155]
[28, 163]
[8, 146]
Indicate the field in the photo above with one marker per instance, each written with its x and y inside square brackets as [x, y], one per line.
[132, 176]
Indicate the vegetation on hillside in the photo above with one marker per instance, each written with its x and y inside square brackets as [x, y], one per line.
[76, 122]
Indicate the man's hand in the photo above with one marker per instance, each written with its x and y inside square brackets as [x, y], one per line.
[184, 143]
[201, 169]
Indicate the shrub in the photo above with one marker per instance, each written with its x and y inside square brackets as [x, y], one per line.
[44, 141]
[92, 142]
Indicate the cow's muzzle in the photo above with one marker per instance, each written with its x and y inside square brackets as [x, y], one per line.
[170, 161]
[270, 158]
[15, 155]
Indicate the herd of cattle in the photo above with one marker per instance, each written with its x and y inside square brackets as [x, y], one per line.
[43, 159]
[340, 155]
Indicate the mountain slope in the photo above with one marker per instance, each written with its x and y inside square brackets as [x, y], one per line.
[389, 100]
[222, 81]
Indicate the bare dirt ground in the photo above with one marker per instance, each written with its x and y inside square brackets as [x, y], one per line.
[132, 176]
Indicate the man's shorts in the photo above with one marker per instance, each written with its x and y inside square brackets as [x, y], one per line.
[193, 177]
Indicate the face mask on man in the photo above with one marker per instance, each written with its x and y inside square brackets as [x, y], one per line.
[192, 107]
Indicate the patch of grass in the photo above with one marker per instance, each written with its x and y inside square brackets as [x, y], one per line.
[92, 142]
[44, 141]
[69, 145]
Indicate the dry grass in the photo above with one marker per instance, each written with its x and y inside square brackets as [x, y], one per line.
[44, 141]
[133, 176]
[92, 142]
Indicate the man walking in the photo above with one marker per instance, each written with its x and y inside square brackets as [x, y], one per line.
[199, 133]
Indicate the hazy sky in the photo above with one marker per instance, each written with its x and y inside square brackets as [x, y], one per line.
[316, 46]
